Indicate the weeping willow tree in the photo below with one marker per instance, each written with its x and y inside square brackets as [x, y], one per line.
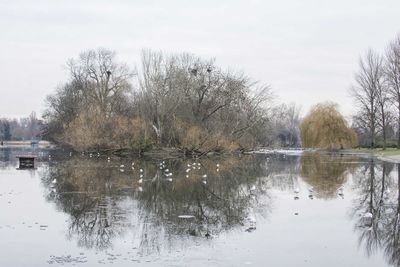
[324, 127]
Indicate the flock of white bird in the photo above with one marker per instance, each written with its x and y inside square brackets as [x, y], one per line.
[163, 167]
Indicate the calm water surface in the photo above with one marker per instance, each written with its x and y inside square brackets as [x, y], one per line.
[256, 210]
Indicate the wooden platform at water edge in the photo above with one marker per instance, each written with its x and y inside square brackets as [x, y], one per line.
[26, 161]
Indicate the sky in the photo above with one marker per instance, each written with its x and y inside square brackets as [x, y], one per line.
[307, 51]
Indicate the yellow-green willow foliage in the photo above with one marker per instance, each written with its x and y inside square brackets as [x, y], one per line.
[324, 127]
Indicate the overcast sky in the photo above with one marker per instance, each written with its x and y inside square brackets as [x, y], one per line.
[306, 50]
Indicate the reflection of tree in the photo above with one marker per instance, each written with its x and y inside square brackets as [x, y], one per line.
[8, 157]
[378, 209]
[219, 205]
[326, 172]
[96, 195]
[85, 190]
[392, 242]
[282, 171]
[5, 161]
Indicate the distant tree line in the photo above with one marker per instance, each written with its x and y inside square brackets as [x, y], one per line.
[376, 92]
[26, 128]
[177, 100]
[5, 131]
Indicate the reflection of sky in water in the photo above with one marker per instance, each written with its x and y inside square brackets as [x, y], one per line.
[244, 211]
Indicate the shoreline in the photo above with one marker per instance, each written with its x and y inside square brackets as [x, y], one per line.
[40, 144]
[389, 155]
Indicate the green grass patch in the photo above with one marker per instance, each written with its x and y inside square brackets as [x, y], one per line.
[378, 151]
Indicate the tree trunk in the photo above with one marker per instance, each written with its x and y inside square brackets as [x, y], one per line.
[372, 136]
[398, 130]
[384, 135]
[383, 126]
[371, 185]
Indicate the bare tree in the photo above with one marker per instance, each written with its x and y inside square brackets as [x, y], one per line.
[190, 92]
[179, 101]
[369, 81]
[100, 77]
[392, 77]
[286, 121]
[383, 101]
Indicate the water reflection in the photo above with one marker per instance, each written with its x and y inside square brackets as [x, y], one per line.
[377, 209]
[8, 156]
[326, 173]
[104, 199]
[192, 199]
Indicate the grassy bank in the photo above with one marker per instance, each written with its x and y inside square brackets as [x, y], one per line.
[378, 151]
[390, 154]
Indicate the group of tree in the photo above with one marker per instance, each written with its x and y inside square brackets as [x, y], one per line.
[284, 127]
[25, 128]
[177, 100]
[5, 132]
[377, 94]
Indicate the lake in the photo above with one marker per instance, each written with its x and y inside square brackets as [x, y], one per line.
[271, 209]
